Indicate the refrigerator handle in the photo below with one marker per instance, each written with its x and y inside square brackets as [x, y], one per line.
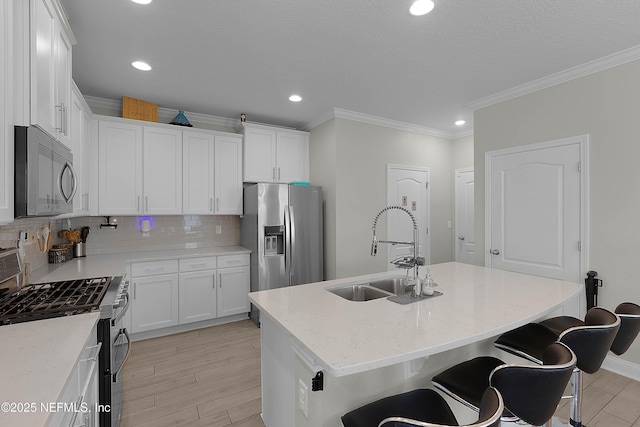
[287, 244]
[292, 239]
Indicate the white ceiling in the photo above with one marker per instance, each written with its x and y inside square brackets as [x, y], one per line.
[226, 57]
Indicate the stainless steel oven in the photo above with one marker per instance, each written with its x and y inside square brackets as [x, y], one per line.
[38, 301]
[115, 354]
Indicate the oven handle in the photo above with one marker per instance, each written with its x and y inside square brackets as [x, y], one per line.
[120, 315]
[115, 374]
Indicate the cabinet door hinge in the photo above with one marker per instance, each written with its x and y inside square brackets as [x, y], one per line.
[579, 246]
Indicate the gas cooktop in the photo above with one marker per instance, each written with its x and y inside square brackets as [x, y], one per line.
[47, 300]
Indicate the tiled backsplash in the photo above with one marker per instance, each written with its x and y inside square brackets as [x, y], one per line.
[167, 232]
[34, 254]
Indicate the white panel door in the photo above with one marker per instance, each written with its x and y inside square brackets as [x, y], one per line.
[407, 186]
[535, 212]
[465, 234]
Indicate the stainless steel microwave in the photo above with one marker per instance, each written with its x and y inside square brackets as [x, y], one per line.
[45, 181]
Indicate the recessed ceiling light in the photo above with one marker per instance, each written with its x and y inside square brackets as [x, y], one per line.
[295, 98]
[140, 65]
[421, 7]
[459, 122]
[141, 1]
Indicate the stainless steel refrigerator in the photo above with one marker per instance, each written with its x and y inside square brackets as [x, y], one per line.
[283, 226]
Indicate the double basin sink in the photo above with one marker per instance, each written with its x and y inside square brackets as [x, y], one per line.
[374, 289]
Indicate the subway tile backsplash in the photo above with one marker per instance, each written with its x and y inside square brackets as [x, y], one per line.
[167, 232]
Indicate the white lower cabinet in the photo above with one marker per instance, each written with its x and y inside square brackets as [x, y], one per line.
[233, 288]
[183, 291]
[155, 295]
[81, 392]
[197, 296]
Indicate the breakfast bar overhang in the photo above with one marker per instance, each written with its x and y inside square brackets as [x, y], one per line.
[366, 350]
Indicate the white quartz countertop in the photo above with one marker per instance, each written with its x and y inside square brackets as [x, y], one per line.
[346, 337]
[115, 264]
[36, 361]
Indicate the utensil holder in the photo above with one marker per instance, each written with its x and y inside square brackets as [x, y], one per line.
[79, 250]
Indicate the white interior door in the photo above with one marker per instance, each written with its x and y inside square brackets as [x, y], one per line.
[464, 231]
[407, 186]
[535, 209]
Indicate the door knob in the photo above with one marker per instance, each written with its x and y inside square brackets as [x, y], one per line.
[495, 252]
[461, 237]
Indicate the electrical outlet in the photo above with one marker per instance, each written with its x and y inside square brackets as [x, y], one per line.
[303, 398]
[218, 229]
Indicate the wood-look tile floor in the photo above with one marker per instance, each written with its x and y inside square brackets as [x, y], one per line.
[211, 377]
[208, 377]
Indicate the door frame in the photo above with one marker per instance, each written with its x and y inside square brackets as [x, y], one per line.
[427, 243]
[456, 220]
[583, 143]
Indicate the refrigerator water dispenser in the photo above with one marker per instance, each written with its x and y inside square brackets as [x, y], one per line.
[274, 240]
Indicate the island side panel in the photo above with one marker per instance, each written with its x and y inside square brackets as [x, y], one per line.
[278, 375]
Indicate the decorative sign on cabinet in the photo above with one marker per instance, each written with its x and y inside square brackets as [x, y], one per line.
[274, 154]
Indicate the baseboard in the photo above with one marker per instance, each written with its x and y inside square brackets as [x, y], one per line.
[187, 327]
[620, 366]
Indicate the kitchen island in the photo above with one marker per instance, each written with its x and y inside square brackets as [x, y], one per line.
[366, 350]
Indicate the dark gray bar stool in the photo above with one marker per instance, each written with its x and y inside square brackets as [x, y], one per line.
[629, 314]
[422, 408]
[590, 341]
[531, 393]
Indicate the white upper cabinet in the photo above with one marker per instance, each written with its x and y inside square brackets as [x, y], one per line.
[79, 127]
[119, 168]
[197, 172]
[228, 175]
[212, 173]
[259, 154]
[274, 154]
[50, 45]
[166, 170]
[6, 120]
[292, 156]
[162, 159]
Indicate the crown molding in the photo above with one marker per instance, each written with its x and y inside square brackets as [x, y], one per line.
[167, 113]
[340, 113]
[591, 67]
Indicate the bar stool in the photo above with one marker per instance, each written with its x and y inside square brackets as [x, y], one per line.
[531, 393]
[629, 314]
[423, 408]
[590, 341]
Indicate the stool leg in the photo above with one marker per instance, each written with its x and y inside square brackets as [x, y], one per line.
[576, 400]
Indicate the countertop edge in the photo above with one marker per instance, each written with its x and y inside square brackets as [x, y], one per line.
[338, 371]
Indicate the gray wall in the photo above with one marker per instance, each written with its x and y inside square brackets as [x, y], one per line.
[606, 106]
[349, 159]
